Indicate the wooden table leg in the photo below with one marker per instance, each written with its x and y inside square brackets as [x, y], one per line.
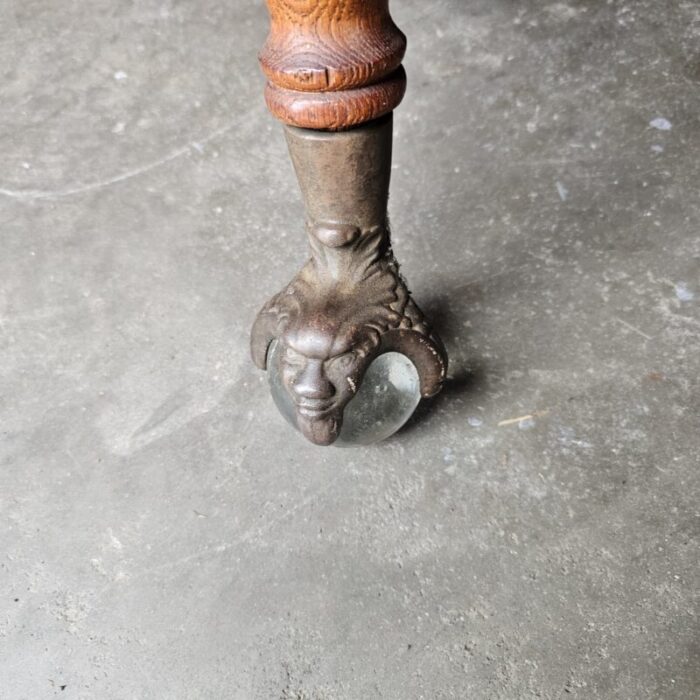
[334, 77]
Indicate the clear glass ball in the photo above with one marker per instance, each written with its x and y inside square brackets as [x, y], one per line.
[386, 399]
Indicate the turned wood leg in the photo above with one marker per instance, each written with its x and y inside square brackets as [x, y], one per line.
[334, 78]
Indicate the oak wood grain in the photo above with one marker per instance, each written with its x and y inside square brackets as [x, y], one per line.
[334, 111]
[332, 64]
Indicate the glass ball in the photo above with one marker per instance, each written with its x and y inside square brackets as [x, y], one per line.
[386, 399]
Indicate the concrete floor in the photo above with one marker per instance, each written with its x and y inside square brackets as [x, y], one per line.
[163, 533]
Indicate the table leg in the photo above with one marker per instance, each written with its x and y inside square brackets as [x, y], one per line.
[334, 77]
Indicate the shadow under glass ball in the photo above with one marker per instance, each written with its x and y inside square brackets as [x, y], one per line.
[386, 399]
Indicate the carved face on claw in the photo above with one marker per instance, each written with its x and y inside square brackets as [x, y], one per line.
[321, 365]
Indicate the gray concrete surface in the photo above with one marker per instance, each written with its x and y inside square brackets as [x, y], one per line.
[163, 534]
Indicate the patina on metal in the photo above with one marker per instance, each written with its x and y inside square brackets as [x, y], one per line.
[349, 303]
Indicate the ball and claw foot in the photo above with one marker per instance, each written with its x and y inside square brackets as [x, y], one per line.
[349, 304]
[329, 330]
